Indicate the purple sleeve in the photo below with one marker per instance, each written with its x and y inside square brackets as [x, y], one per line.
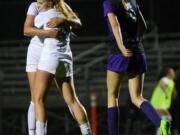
[108, 7]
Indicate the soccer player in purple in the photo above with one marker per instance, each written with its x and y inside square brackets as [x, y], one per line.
[126, 27]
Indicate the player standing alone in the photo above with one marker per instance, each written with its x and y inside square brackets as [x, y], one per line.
[126, 26]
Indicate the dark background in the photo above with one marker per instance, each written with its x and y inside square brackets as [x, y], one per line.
[163, 13]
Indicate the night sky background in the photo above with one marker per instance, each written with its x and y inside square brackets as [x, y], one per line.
[163, 13]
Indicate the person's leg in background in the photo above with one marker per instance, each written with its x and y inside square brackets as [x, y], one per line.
[136, 82]
[76, 108]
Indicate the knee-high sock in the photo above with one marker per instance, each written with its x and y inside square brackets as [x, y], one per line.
[86, 129]
[113, 120]
[31, 119]
[151, 113]
[40, 128]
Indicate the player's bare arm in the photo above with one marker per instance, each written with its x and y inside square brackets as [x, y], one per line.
[117, 34]
[30, 30]
[74, 22]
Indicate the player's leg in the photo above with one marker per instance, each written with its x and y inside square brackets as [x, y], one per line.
[135, 88]
[113, 85]
[33, 54]
[78, 111]
[59, 87]
[31, 116]
[42, 82]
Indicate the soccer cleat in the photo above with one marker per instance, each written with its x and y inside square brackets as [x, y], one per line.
[165, 127]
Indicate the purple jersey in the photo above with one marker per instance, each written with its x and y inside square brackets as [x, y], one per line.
[128, 20]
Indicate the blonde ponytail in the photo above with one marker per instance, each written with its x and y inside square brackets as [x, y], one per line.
[65, 10]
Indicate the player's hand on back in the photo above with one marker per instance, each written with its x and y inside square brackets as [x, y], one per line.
[126, 52]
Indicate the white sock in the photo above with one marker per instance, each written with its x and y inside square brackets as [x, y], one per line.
[158, 132]
[31, 119]
[40, 128]
[166, 117]
[85, 129]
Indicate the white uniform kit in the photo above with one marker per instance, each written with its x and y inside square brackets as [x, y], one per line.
[36, 44]
[55, 56]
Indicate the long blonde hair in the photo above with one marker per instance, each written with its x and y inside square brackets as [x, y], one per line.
[64, 8]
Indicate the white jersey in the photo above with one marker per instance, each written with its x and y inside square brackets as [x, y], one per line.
[36, 44]
[49, 54]
[55, 51]
[34, 11]
[60, 47]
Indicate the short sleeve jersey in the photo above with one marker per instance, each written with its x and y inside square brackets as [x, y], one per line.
[128, 22]
[33, 9]
[43, 18]
[159, 100]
